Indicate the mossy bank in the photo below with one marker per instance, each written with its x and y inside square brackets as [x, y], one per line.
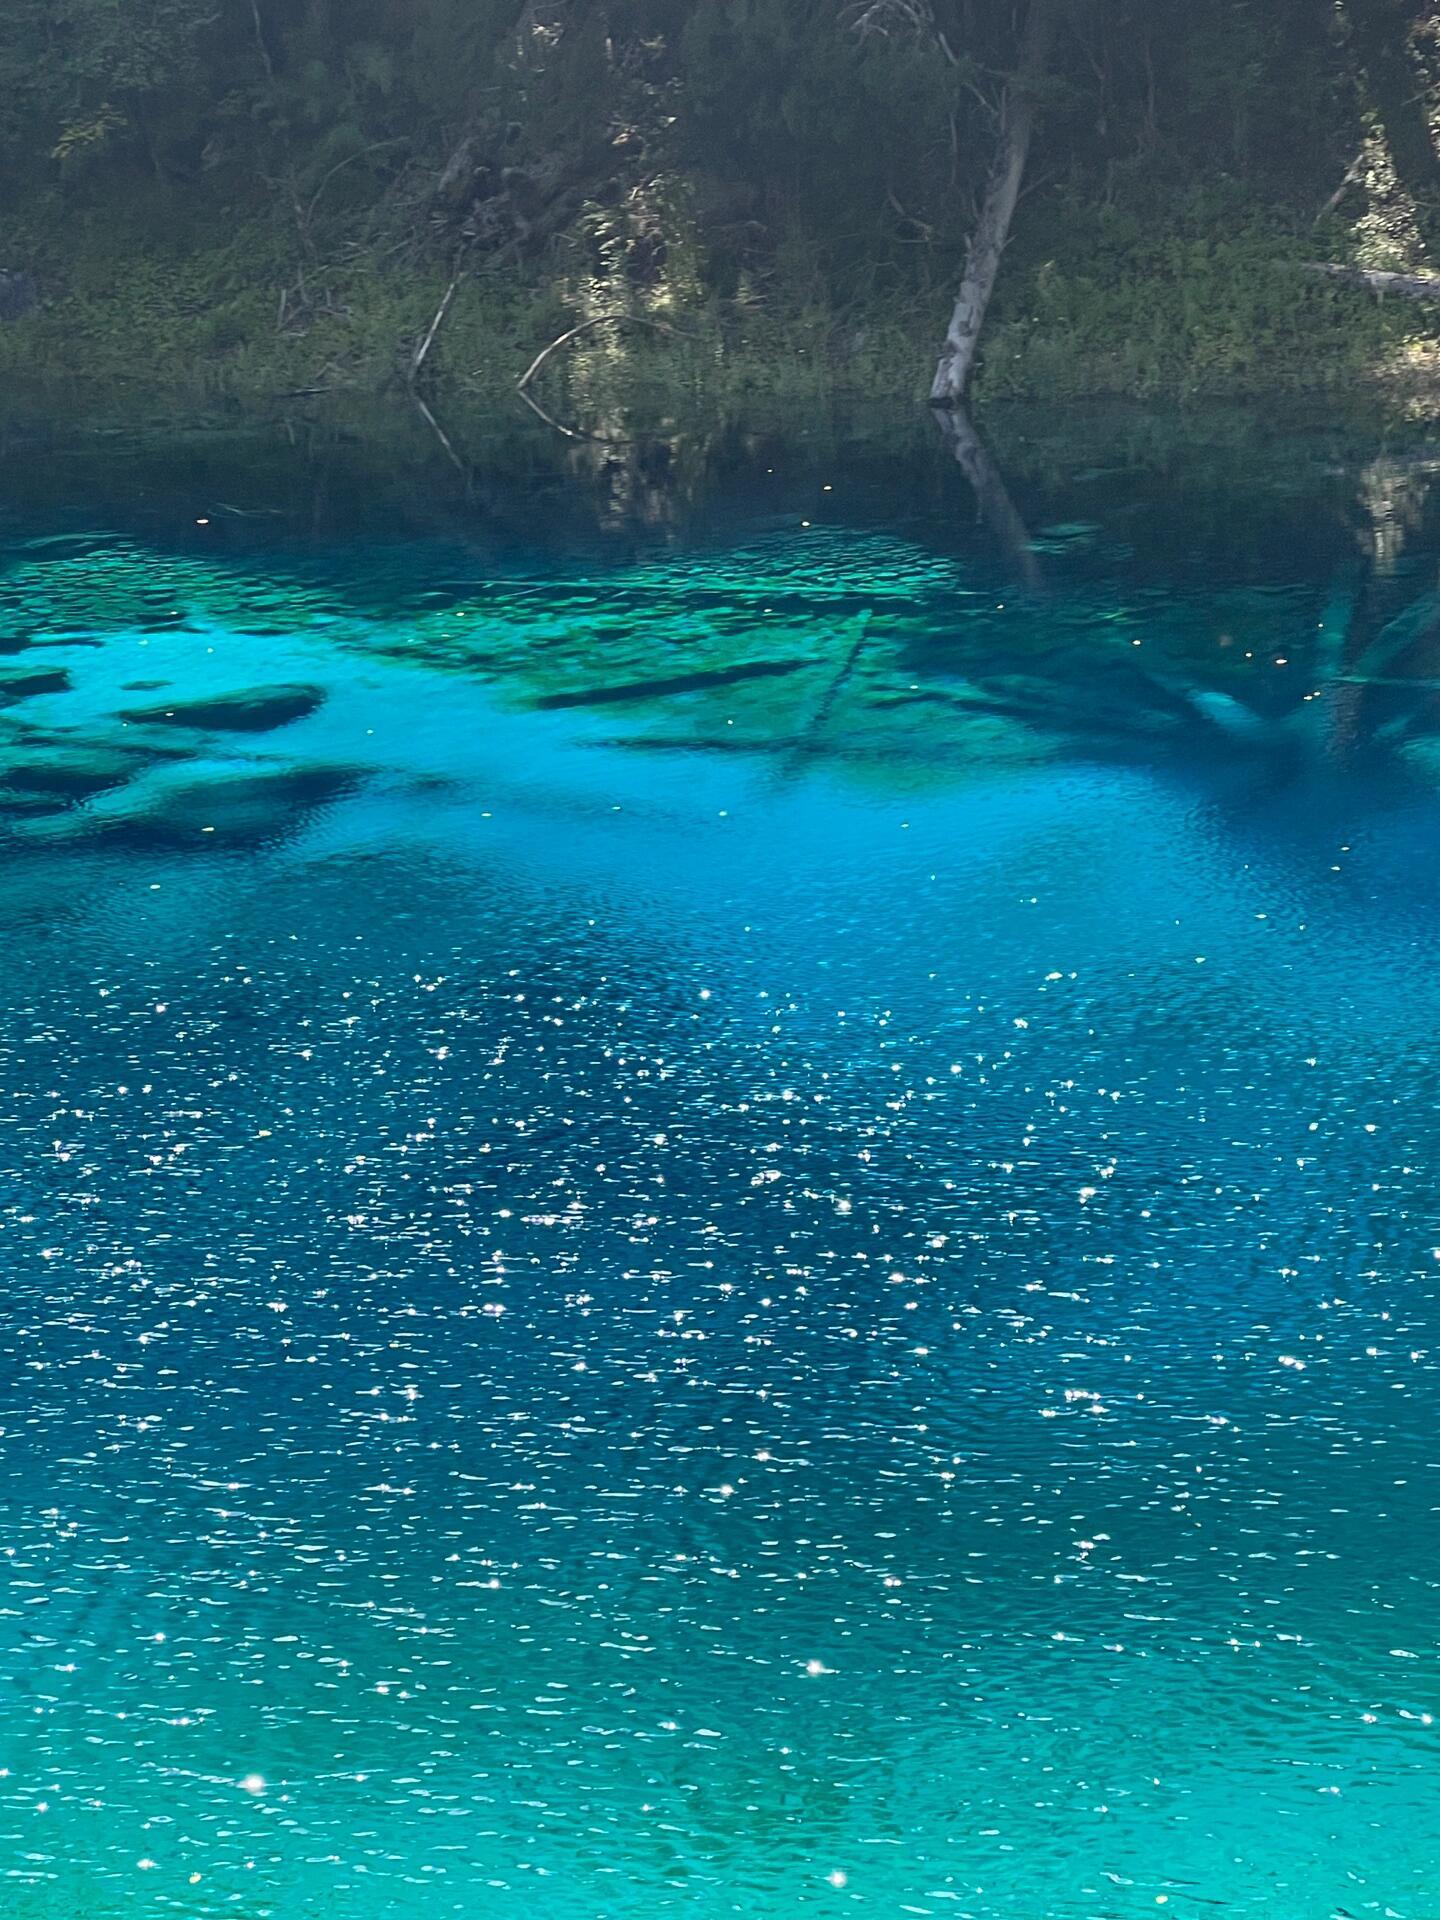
[1187, 308]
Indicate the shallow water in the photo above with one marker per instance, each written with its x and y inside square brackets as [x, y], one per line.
[731, 1207]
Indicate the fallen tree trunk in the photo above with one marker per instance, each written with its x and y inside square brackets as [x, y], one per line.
[1410, 286]
[1018, 112]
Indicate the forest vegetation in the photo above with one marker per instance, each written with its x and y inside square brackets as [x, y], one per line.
[281, 195]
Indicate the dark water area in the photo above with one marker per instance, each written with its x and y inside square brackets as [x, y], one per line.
[718, 1169]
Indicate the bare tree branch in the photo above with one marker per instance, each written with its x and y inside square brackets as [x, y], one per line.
[872, 19]
[427, 339]
[585, 326]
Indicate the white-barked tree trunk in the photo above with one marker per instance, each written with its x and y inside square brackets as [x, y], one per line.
[1018, 112]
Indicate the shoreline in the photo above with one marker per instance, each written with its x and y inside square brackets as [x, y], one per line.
[181, 325]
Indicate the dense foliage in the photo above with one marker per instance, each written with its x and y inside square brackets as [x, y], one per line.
[826, 155]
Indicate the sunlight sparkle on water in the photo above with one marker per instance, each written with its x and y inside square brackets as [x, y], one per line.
[663, 1262]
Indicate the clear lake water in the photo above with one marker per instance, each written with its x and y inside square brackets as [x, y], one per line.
[718, 1172]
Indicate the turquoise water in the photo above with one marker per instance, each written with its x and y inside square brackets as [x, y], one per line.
[718, 1191]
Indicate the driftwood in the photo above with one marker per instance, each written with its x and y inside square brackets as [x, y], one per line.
[1410, 286]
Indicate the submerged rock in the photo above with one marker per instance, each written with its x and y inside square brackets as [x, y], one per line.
[74, 772]
[25, 805]
[250, 710]
[22, 686]
[222, 809]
